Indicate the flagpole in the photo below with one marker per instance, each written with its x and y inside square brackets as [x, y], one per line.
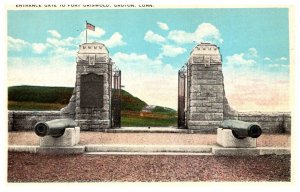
[85, 31]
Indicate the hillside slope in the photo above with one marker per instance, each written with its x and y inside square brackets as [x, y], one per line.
[54, 98]
[38, 95]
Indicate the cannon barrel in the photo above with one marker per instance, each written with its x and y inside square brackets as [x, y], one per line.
[54, 128]
[242, 129]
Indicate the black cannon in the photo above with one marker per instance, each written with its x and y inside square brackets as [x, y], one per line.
[242, 129]
[54, 128]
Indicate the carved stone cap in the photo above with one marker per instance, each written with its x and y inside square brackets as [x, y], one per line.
[205, 53]
[206, 49]
[93, 48]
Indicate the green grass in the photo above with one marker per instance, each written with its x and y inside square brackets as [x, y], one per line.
[34, 106]
[40, 94]
[131, 103]
[35, 98]
[160, 109]
[144, 122]
[32, 95]
[146, 119]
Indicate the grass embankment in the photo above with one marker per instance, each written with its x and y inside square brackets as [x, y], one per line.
[34, 106]
[148, 119]
[33, 98]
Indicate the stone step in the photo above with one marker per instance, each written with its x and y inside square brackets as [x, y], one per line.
[22, 148]
[61, 150]
[146, 153]
[146, 130]
[250, 151]
[150, 148]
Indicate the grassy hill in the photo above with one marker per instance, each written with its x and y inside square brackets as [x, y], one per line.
[55, 98]
[130, 102]
[37, 96]
[40, 94]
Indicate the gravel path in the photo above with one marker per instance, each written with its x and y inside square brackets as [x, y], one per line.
[26, 167]
[266, 140]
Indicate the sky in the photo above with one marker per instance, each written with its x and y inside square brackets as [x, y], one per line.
[151, 45]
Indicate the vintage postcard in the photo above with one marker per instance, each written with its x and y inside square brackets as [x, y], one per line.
[144, 92]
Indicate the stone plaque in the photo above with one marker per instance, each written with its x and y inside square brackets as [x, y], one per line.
[91, 90]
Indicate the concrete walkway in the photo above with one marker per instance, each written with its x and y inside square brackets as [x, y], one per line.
[150, 141]
[149, 130]
[102, 138]
[151, 150]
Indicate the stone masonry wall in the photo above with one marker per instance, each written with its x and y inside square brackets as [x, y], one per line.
[206, 96]
[94, 118]
[270, 122]
[207, 105]
[92, 58]
[25, 120]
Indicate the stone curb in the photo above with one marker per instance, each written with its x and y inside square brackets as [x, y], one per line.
[149, 148]
[61, 150]
[22, 148]
[152, 150]
[251, 151]
[220, 151]
[149, 153]
[148, 130]
[274, 151]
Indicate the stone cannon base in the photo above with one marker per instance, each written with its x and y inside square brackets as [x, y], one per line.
[70, 138]
[227, 140]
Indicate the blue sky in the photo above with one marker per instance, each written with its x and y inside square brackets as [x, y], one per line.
[150, 45]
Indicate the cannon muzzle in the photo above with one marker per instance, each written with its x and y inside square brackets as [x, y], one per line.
[54, 128]
[242, 129]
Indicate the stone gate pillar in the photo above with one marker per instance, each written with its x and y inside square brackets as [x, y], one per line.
[206, 102]
[90, 104]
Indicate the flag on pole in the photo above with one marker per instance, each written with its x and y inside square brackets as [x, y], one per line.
[90, 26]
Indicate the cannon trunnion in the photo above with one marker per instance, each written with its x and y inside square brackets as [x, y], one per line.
[54, 128]
[242, 129]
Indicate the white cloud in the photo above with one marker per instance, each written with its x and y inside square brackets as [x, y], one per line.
[205, 32]
[255, 88]
[149, 79]
[54, 71]
[16, 44]
[171, 51]
[239, 59]
[67, 46]
[115, 40]
[38, 48]
[97, 33]
[134, 61]
[63, 47]
[91, 35]
[54, 33]
[276, 65]
[153, 88]
[252, 52]
[252, 89]
[283, 58]
[64, 52]
[61, 42]
[163, 26]
[153, 38]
